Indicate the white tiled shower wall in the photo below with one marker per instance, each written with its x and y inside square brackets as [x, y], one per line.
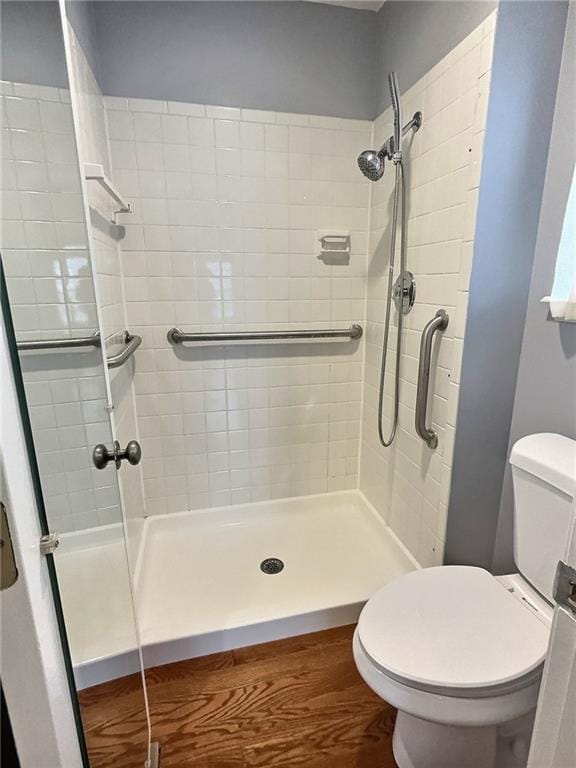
[409, 483]
[47, 265]
[105, 238]
[227, 204]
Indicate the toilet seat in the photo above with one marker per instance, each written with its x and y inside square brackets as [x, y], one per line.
[454, 631]
[444, 708]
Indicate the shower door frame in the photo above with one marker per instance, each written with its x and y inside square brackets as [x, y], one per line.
[40, 642]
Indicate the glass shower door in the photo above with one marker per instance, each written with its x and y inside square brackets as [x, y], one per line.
[60, 363]
[85, 542]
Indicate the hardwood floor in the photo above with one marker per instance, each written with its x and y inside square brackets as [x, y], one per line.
[295, 702]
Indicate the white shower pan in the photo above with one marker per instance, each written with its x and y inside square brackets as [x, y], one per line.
[200, 587]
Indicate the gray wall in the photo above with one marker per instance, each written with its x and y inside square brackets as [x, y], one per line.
[515, 154]
[293, 57]
[286, 56]
[31, 44]
[83, 18]
[546, 389]
[414, 36]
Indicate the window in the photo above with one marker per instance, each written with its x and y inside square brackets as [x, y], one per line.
[563, 298]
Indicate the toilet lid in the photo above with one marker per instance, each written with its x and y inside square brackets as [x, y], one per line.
[451, 627]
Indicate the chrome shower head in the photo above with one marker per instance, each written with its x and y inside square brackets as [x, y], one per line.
[371, 163]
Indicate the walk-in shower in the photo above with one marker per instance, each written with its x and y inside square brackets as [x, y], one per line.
[403, 290]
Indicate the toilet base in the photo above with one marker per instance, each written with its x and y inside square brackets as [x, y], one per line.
[420, 743]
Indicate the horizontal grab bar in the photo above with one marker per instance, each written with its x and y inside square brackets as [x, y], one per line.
[438, 323]
[131, 341]
[176, 336]
[66, 343]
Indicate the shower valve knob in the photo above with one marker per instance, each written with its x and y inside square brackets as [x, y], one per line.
[101, 455]
[404, 292]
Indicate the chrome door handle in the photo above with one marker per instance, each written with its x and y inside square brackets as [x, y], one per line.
[438, 323]
[101, 455]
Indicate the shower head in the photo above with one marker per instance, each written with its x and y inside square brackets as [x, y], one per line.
[371, 163]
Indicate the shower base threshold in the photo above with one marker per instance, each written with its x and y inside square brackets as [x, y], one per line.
[202, 586]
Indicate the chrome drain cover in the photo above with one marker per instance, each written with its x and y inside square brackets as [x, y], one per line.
[271, 565]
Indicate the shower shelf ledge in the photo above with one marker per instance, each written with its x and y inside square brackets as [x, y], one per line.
[95, 172]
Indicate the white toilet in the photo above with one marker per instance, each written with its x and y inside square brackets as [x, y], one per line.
[460, 652]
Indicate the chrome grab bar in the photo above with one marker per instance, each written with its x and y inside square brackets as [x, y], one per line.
[438, 323]
[132, 343]
[176, 336]
[66, 343]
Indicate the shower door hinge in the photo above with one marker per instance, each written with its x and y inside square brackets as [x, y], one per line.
[154, 756]
[565, 586]
[49, 543]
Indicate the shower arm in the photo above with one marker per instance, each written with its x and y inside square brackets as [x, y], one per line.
[387, 149]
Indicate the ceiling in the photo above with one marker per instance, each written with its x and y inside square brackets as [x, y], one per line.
[359, 5]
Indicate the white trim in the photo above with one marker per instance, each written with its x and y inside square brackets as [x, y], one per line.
[32, 661]
[554, 738]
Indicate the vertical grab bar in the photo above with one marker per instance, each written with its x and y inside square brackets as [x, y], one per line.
[438, 323]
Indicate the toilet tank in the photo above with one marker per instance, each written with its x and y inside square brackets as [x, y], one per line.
[544, 478]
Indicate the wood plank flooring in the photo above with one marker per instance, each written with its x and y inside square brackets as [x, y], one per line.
[295, 702]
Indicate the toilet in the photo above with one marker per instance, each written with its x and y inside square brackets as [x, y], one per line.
[460, 652]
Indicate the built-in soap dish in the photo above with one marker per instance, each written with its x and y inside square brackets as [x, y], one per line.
[334, 246]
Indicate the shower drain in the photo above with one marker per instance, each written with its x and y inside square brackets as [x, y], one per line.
[271, 565]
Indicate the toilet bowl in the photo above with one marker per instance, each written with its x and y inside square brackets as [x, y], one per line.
[460, 654]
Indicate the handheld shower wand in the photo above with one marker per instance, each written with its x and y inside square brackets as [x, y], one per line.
[398, 214]
[397, 109]
[371, 163]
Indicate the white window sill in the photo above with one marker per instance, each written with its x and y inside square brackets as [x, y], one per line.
[561, 311]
